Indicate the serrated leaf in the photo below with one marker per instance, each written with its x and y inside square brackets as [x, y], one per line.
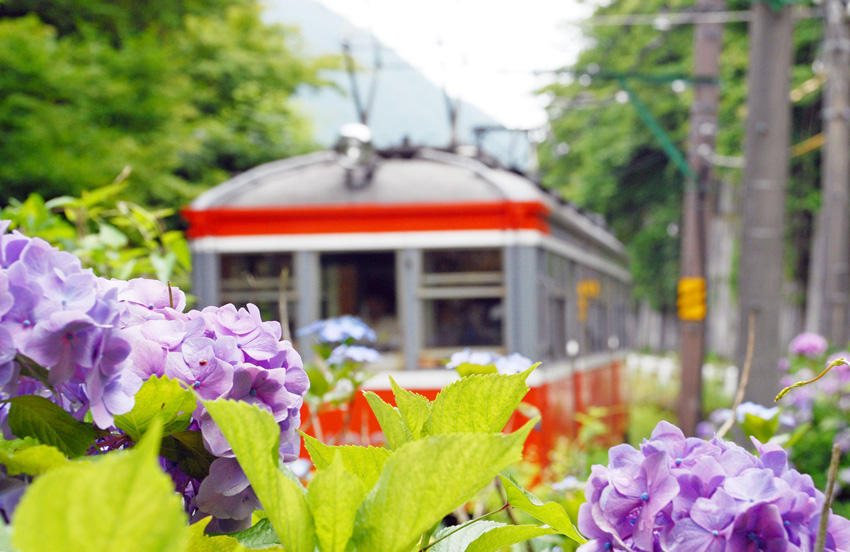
[121, 503]
[260, 536]
[550, 513]
[486, 536]
[389, 418]
[480, 403]
[501, 537]
[29, 456]
[334, 496]
[254, 437]
[159, 397]
[414, 409]
[468, 369]
[187, 449]
[199, 542]
[461, 536]
[364, 462]
[34, 416]
[424, 480]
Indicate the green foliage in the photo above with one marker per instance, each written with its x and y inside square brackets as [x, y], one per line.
[485, 536]
[364, 462]
[162, 399]
[185, 93]
[114, 237]
[365, 498]
[389, 418]
[467, 404]
[424, 480]
[334, 496]
[259, 536]
[550, 513]
[37, 417]
[616, 167]
[29, 456]
[254, 437]
[187, 449]
[122, 503]
[760, 428]
[415, 410]
[199, 542]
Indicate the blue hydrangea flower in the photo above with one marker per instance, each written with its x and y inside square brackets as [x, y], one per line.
[337, 330]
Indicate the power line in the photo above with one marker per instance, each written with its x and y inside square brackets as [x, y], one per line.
[664, 21]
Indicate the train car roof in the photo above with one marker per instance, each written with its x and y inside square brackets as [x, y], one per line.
[402, 176]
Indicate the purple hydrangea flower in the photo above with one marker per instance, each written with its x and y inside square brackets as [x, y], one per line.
[676, 495]
[809, 344]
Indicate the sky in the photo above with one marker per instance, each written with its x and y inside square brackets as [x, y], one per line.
[485, 52]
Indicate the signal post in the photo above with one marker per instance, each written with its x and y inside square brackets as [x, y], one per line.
[691, 303]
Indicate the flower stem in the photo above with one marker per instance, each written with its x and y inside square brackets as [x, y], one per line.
[820, 544]
[801, 383]
[745, 378]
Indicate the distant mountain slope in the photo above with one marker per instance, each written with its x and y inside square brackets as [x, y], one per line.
[407, 104]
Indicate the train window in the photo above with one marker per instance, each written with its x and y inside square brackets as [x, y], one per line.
[258, 278]
[462, 299]
[462, 261]
[363, 285]
[558, 327]
[554, 305]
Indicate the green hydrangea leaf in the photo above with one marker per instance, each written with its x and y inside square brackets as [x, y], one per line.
[34, 416]
[159, 397]
[364, 462]
[199, 542]
[334, 495]
[121, 503]
[424, 480]
[467, 369]
[479, 403]
[506, 535]
[29, 456]
[6, 538]
[461, 536]
[260, 536]
[187, 449]
[414, 409]
[254, 437]
[550, 513]
[485, 536]
[389, 418]
[760, 428]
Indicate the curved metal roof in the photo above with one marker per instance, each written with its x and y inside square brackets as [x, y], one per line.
[420, 175]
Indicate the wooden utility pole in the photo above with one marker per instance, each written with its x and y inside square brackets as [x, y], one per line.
[708, 44]
[827, 306]
[761, 267]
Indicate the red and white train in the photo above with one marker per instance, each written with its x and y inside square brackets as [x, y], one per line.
[438, 251]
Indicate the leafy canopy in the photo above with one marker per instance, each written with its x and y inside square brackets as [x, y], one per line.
[184, 93]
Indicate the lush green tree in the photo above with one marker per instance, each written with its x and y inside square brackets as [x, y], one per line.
[184, 93]
[615, 166]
